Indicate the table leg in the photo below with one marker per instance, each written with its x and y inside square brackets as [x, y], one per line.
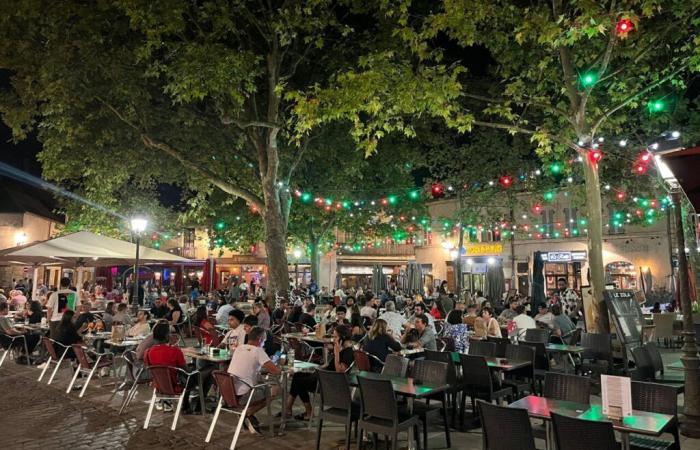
[325, 354]
[411, 438]
[201, 394]
[285, 388]
[625, 441]
[268, 390]
[548, 441]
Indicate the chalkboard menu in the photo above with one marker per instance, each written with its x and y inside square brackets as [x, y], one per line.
[626, 313]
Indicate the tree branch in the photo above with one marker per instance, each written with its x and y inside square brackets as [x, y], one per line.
[116, 112]
[633, 97]
[568, 69]
[210, 176]
[612, 39]
[534, 102]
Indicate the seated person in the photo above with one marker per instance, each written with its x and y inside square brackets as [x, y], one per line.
[470, 316]
[159, 310]
[493, 329]
[523, 321]
[458, 331]
[425, 336]
[236, 333]
[8, 329]
[222, 313]
[543, 316]
[562, 324]
[357, 327]
[162, 353]
[122, 316]
[207, 330]
[308, 318]
[141, 327]
[68, 334]
[85, 317]
[379, 343]
[340, 313]
[509, 313]
[246, 365]
[279, 315]
[108, 316]
[305, 383]
[33, 312]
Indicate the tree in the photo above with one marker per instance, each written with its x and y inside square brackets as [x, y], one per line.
[564, 73]
[200, 94]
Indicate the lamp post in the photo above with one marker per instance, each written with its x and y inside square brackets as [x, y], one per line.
[690, 422]
[138, 226]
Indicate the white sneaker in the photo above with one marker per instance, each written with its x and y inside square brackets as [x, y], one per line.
[42, 365]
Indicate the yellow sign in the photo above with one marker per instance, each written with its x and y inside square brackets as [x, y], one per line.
[492, 248]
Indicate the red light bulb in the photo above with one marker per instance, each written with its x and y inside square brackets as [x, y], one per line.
[506, 181]
[594, 156]
[640, 169]
[624, 26]
[620, 195]
[646, 157]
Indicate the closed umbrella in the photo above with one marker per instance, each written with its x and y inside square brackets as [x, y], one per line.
[378, 279]
[495, 282]
[414, 275]
[647, 280]
[538, 296]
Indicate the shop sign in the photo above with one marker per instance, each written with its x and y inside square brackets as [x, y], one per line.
[564, 256]
[492, 248]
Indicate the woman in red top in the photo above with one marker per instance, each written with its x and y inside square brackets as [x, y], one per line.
[201, 320]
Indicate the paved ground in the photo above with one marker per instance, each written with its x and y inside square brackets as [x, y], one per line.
[36, 416]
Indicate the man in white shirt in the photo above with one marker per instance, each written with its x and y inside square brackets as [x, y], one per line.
[236, 332]
[223, 312]
[395, 321]
[544, 315]
[60, 302]
[523, 321]
[246, 364]
[368, 310]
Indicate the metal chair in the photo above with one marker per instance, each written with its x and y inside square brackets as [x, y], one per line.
[229, 402]
[134, 378]
[380, 413]
[537, 335]
[481, 348]
[10, 342]
[364, 360]
[657, 398]
[50, 346]
[303, 350]
[495, 419]
[434, 372]
[478, 383]
[336, 404]
[167, 387]
[87, 367]
[577, 434]
[395, 366]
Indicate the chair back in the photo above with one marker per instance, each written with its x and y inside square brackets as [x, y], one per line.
[571, 433]
[522, 353]
[495, 419]
[50, 349]
[541, 357]
[300, 327]
[664, 325]
[164, 380]
[129, 358]
[335, 390]
[395, 366]
[574, 337]
[501, 344]
[481, 348]
[537, 335]
[654, 356]
[426, 371]
[596, 346]
[227, 388]
[378, 399]
[362, 360]
[571, 388]
[448, 343]
[654, 397]
[81, 356]
[446, 358]
[644, 369]
[476, 374]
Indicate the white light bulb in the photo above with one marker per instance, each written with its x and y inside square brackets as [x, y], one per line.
[595, 146]
[570, 180]
[675, 134]
[623, 142]
[654, 146]
[607, 187]
[538, 172]
[580, 142]
[601, 139]
[524, 216]
[491, 183]
[579, 158]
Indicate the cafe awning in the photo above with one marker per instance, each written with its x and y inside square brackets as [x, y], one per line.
[685, 165]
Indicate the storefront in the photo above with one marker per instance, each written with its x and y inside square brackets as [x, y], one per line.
[250, 268]
[563, 264]
[476, 261]
[622, 274]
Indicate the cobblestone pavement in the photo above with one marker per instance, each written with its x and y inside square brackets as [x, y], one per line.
[36, 416]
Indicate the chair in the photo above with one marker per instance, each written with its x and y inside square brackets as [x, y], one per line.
[10, 342]
[643, 367]
[85, 366]
[433, 372]
[664, 327]
[50, 346]
[395, 366]
[482, 348]
[501, 344]
[598, 352]
[303, 351]
[571, 388]
[537, 335]
[657, 398]
[496, 419]
[229, 402]
[167, 387]
[380, 413]
[447, 343]
[452, 379]
[521, 380]
[658, 367]
[134, 378]
[336, 404]
[363, 360]
[541, 360]
[477, 382]
[578, 434]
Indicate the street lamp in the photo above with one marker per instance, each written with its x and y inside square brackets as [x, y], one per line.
[138, 226]
[690, 425]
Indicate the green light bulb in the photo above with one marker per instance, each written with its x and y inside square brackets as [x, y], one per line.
[392, 199]
[588, 79]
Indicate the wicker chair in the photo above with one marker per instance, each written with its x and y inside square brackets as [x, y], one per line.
[521, 380]
[657, 363]
[495, 419]
[663, 323]
[478, 383]
[336, 404]
[572, 388]
[395, 366]
[657, 398]
[433, 372]
[481, 348]
[537, 335]
[597, 356]
[577, 434]
[452, 378]
[381, 415]
[501, 344]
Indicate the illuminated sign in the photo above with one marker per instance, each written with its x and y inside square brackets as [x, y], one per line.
[485, 249]
[564, 256]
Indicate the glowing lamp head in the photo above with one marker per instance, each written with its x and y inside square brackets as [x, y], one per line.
[139, 224]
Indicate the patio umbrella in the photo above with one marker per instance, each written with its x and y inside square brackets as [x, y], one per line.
[378, 279]
[495, 282]
[538, 296]
[415, 277]
[647, 280]
[209, 282]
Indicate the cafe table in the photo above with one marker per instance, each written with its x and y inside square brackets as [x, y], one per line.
[406, 387]
[223, 356]
[640, 422]
[678, 365]
[568, 350]
[288, 370]
[326, 341]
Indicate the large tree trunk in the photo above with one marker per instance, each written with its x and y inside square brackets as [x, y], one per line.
[275, 240]
[595, 242]
[314, 258]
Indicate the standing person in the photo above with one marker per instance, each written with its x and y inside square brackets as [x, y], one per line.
[380, 343]
[395, 321]
[243, 288]
[246, 365]
[567, 298]
[313, 288]
[59, 302]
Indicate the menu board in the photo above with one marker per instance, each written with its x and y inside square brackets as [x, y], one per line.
[626, 314]
[616, 396]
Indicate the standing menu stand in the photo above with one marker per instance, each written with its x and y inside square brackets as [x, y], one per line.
[627, 317]
[616, 393]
